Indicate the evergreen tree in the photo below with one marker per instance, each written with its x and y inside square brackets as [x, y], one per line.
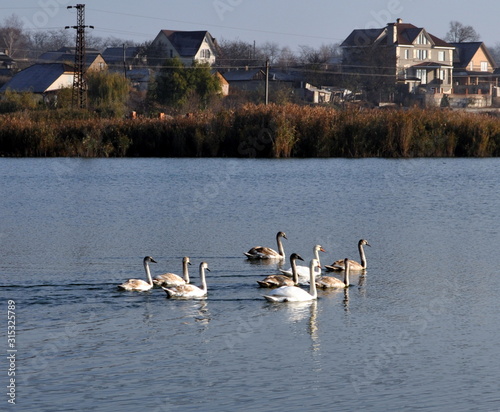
[175, 83]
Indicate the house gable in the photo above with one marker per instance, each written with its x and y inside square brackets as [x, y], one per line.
[474, 57]
[41, 78]
[186, 45]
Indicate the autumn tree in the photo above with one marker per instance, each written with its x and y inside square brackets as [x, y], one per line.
[460, 33]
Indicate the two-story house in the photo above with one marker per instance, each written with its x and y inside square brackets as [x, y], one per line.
[473, 69]
[418, 61]
[188, 46]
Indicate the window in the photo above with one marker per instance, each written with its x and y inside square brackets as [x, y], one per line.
[422, 39]
[484, 66]
[421, 54]
[205, 54]
[441, 56]
[422, 75]
[407, 54]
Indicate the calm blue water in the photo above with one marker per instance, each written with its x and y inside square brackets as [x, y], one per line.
[418, 332]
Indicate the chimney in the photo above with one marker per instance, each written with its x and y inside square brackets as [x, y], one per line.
[399, 21]
[392, 33]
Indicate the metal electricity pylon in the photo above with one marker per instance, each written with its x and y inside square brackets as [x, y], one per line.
[79, 95]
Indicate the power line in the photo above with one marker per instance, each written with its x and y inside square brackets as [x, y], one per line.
[214, 25]
[79, 84]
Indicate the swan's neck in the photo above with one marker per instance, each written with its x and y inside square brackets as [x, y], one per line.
[185, 271]
[362, 256]
[148, 273]
[295, 276]
[346, 275]
[316, 255]
[203, 281]
[281, 250]
[312, 284]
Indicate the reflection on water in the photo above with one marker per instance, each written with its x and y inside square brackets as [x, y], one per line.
[66, 241]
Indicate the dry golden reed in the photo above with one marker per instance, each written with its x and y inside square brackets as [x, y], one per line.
[257, 131]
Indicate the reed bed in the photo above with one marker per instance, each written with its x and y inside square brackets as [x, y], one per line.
[257, 131]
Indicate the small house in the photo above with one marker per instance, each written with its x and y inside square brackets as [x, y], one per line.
[188, 46]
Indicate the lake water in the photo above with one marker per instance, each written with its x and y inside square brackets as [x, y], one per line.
[418, 332]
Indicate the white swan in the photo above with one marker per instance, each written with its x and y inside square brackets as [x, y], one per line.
[294, 293]
[139, 284]
[331, 282]
[262, 252]
[190, 291]
[273, 281]
[339, 264]
[171, 279]
[303, 271]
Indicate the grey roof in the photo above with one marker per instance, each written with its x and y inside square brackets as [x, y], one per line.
[464, 52]
[243, 75]
[258, 74]
[57, 56]
[187, 43]
[360, 37]
[36, 78]
[406, 34]
[115, 54]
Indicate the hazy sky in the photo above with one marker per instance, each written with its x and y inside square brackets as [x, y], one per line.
[286, 22]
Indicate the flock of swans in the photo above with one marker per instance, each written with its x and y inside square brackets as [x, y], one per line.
[285, 287]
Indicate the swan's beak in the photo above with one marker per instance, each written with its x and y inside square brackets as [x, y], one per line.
[189, 263]
[153, 261]
[207, 269]
[322, 250]
[367, 244]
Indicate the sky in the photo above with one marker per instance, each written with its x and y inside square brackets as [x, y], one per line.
[291, 23]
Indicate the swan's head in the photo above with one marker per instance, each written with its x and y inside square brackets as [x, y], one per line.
[148, 259]
[319, 248]
[295, 256]
[282, 234]
[185, 259]
[204, 265]
[364, 242]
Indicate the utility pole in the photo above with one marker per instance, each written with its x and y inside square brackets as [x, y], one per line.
[267, 82]
[124, 62]
[79, 95]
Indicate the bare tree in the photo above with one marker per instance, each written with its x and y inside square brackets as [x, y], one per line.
[271, 51]
[319, 56]
[286, 58]
[460, 33]
[12, 38]
[237, 53]
[495, 52]
[40, 42]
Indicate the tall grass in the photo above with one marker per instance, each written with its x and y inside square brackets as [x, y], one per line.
[256, 131]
